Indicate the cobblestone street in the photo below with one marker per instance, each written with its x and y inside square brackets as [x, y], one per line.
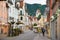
[29, 35]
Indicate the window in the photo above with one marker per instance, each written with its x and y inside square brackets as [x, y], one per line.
[21, 18]
[47, 2]
[21, 4]
[7, 5]
[59, 7]
[10, 1]
[20, 12]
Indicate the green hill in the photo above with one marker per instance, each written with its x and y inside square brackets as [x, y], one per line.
[31, 8]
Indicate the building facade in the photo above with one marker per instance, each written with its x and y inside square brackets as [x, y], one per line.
[52, 19]
[58, 23]
[3, 18]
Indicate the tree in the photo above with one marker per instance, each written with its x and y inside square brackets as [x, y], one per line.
[39, 16]
[35, 24]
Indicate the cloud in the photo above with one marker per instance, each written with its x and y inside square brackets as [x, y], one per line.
[35, 1]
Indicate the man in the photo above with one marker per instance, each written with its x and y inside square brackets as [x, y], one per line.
[43, 31]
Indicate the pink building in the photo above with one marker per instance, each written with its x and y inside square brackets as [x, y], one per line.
[3, 12]
[3, 17]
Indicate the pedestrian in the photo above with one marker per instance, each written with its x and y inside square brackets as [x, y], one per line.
[43, 31]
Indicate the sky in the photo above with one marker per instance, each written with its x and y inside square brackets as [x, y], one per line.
[43, 2]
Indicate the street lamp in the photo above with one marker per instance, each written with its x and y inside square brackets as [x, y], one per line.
[12, 23]
[17, 23]
[9, 28]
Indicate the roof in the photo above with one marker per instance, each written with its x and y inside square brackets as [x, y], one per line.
[30, 18]
[34, 18]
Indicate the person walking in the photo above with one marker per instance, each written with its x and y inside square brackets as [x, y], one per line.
[43, 31]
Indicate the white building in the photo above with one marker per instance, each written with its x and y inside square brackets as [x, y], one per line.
[17, 11]
[12, 10]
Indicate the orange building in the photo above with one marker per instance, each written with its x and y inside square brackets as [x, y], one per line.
[3, 18]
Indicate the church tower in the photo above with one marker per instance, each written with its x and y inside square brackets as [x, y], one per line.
[38, 12]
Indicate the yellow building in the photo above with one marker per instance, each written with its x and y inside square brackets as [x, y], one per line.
[41, 21]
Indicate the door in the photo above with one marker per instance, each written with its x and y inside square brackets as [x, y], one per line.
[1, 30]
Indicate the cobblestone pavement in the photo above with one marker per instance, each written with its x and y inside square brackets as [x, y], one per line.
[40, 37]
[28, 35]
